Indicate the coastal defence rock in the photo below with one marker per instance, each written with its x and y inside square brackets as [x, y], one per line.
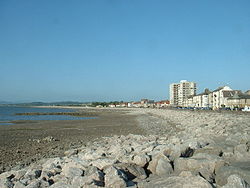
[160, 165]
[200, 164]
[241, 152]
[241, 169]
[132, 171]
[176, 182]
[145, 161]
[236, 182]
[71, 152]
[115, 177]
[103, 162]
[72, 172]
[141, 159]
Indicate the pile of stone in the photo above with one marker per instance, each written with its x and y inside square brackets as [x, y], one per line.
[140, 161]
[46, 139]
[198, 123]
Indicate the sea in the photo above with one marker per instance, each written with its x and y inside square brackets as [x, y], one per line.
[7, 114]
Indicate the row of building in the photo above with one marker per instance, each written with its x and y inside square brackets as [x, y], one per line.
[183, 94]
[144, 103]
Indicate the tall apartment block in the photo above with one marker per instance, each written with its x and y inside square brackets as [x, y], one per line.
[180, 91]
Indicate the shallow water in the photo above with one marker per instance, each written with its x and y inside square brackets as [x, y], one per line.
[7, 114]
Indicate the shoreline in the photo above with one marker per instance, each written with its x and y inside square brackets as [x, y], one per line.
[27, 141]
[163, 148]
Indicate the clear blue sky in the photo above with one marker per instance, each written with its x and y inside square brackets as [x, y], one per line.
[102, 50]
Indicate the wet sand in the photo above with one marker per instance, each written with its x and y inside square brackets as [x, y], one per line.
[29, 141]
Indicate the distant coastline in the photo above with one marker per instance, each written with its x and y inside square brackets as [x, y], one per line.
[10, 115]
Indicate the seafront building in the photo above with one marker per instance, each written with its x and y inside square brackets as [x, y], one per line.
[143, 103]
[201, 100]
[184, 95]
[239, 100]
[173, 93]
[179, 92]
[222, 97]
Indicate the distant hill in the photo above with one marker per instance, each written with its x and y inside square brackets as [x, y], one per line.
[63, 103]
[5, 102]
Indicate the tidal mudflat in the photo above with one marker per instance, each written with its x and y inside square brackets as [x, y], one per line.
[27, 141]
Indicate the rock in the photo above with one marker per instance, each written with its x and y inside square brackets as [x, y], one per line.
[71, 152]
[78, 181]
[201, 163]
[53, 164]
[241, 169]
[159, 148]
[149, 148]
[81, 181]
[90, 155]
[71, 172]
[60, 178]
[234, 181]
[76, 162]
[163, 167]
[175, 182]
[73, 167]
[125, 158]
[47, 174]
[33, 173]
[49, 139]
[103, 162]
[174, 140]
[6, 183]
[132, 171]
[241, 148]
[173, 152]
[187, 152]
[86, 181]
[137, 171]
[7, 175]
[25, 181]
[141, 159]
[229, 156]
[186, 174]
[241, 152]
[117, 151]
[60, 185]
[114, 178]
[194, 144]
[95, 174]
[19, 174]
[38, 184]
[212, 150]
[160, 165]
[19, 185]
[34, 184]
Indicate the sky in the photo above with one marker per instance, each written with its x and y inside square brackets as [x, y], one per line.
[106, 50]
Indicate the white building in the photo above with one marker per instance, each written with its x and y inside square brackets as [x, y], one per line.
[220, 96]
[179, 92]
[201, 100]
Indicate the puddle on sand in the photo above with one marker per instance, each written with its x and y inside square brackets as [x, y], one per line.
[6, 123]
